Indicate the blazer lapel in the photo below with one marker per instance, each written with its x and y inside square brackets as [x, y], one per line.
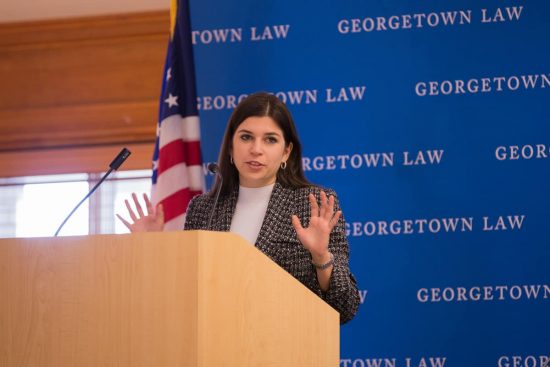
[277, 216]
[224, 211]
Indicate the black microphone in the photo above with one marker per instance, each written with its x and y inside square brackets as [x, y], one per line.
[115, 164]
[215, 169]
[119, 159]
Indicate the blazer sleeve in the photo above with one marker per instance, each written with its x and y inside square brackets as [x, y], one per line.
[342, 293]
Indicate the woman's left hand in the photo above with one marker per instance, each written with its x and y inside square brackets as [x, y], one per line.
[315, 237]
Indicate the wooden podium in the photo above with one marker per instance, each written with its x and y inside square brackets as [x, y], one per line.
[157, 299]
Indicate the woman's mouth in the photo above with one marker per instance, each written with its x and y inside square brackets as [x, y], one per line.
[255, 164]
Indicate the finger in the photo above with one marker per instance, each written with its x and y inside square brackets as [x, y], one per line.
[330, 208]
[160, 214]
[130, 210]
[297, 225]
[125, 222]
[335, 219]
[314, 206]
[148, 204]
[138, 206]
[323, 200]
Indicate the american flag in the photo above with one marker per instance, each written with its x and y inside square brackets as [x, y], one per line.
[177, 163]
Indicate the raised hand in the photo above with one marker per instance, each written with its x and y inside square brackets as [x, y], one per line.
[315, 237]
[152, 222]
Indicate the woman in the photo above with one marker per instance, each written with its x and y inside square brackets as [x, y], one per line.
[266, 198]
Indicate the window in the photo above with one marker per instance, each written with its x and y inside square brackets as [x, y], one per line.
[36, 206]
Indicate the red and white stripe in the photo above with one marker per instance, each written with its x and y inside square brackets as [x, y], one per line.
[180, 174]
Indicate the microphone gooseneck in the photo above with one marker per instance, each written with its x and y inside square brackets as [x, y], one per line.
[215, 169]
[115, 164]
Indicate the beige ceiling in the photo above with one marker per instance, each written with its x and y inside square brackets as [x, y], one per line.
[27, 10]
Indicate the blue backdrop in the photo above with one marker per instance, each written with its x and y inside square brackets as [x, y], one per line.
[430, 119]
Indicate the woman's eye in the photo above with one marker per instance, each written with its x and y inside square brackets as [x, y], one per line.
[245, 137]
[271, 140]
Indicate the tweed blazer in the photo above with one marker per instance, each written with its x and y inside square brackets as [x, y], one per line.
[278, 240]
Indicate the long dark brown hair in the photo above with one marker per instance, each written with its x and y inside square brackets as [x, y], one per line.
[259, 105]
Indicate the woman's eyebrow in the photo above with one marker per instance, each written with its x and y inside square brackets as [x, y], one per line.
[270, 133]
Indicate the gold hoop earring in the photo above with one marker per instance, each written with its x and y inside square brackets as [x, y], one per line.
[283, 165]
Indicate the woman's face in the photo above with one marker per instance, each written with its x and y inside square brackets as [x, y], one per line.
[258, 150]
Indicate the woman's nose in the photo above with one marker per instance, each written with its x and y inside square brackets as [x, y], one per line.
[256, 147]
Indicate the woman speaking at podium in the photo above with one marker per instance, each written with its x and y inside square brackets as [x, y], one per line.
[265, 197]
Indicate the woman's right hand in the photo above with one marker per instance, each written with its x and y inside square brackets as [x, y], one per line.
[152, 222]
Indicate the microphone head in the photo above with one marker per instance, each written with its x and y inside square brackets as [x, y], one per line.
[213, 167]
[120, 158]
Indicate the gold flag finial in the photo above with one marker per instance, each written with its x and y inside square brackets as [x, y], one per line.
[173, 15]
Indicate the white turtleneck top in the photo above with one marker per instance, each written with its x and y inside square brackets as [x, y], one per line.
[250, 211]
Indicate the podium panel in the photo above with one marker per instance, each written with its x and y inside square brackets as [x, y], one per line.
[157, 299]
